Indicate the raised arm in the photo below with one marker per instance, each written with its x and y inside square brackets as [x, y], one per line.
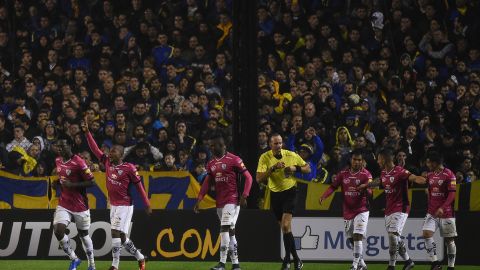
[91, 141]
[317, 155]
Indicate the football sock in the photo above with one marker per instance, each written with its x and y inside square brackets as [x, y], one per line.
[287, 245]
[65, 245]
[451, 253]
[116, 250]
[88, 247]
[402, 249]
[392, 250]
[233, 250]
[130, 248]
[293, 248]
[224, 242]
[431, 249]
[362, 262]
[357, 251]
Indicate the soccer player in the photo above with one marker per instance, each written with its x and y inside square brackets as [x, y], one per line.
[223, 169]
[74, 177]
[355, 204]
[394, 179]
[120, 176]
[440, 215]
[277, 166]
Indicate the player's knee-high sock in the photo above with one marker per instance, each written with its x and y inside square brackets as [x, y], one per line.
[431, 249]
[224, 243]
[233, 249]
[116, 249]
[392, 238]
[402, 249]
[130, 248]
[293, 248]
[287, 245]
[65, 244]
[88, 247]
[357, 252]
[451, 253]
[362, 262]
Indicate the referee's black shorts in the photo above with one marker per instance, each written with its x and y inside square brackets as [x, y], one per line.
[283, 202]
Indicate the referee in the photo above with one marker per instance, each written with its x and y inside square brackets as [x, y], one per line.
[277, 167]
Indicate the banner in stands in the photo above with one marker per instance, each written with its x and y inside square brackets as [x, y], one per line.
[166, 190]
[165, 235]
[23, 192]
[324, 239]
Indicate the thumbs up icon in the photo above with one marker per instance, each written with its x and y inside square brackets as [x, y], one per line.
[307, 240]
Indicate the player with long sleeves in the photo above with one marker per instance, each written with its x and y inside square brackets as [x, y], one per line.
[223, 169]
[395, 179]
[74, 177]
[355, 204]
[440, 215]
[120, 176]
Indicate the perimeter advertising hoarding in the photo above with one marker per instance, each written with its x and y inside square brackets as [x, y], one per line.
[323, 238]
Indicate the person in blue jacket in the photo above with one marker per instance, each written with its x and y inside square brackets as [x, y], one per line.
[310, 154]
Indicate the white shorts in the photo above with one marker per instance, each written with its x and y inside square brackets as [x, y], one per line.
[65, 216]
[446, 225]
[395, 222]
[121, 217]
[357, 225]
[228, 215]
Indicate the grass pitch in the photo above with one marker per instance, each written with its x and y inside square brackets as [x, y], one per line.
[168, 265]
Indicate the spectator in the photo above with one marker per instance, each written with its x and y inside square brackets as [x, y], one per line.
[18, 139]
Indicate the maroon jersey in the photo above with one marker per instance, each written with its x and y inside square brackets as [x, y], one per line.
[395, 183]
[224, 171]
[354, 201]
[119, 179]
[439, 186]
[73, 170]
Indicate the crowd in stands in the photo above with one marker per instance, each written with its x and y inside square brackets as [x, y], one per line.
[150, 75]
[154, 76]
[403, 74]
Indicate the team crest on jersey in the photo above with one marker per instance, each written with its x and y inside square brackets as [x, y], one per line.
[120, 172]
[224, 166]
[357, 182]
[68, 171]
[392, 179]
[440, 182]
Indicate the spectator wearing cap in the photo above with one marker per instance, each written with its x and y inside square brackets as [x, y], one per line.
[311, 151]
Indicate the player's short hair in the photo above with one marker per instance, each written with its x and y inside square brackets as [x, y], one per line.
[357, 152]
[274, 134]
[435, 156]
[387, 153]
[217, 136]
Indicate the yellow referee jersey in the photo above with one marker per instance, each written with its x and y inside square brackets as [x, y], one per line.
[277, 181]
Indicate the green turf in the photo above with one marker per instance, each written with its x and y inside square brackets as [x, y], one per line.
[130, 265]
